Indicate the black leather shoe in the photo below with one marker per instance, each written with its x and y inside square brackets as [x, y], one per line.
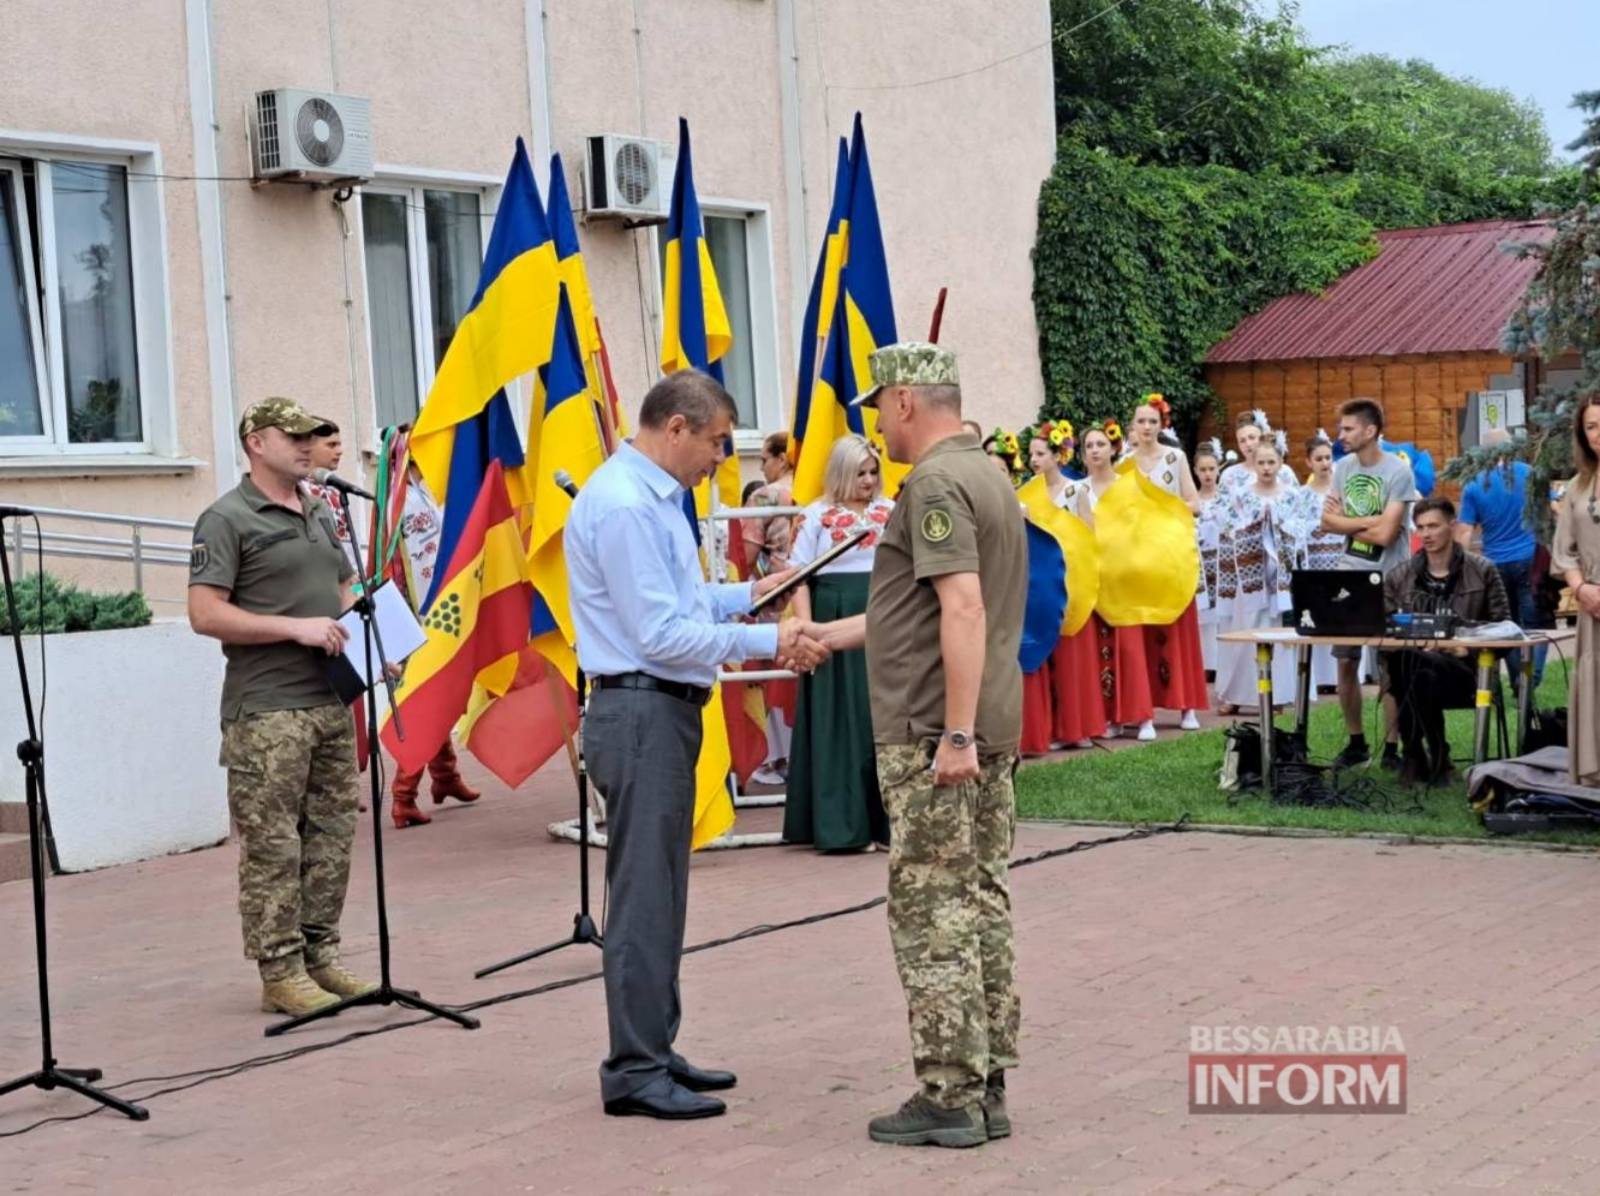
[699, 1080]
[676, 1104]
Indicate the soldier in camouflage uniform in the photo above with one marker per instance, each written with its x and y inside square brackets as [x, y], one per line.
[268, 578]
[942, 629]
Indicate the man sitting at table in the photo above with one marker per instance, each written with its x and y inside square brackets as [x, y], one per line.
[1443, 578]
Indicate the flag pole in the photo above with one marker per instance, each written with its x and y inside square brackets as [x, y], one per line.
[938, 316]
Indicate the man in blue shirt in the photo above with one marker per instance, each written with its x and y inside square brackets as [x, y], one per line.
[1496, 502]
[651, 636]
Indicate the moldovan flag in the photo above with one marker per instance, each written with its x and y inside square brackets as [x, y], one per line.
[480, 615]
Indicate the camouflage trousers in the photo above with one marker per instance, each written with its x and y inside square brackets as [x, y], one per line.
[292, 795]
[950, 919]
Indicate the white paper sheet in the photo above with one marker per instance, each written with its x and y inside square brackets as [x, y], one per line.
[397, 627]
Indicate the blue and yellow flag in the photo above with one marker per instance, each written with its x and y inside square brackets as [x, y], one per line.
[818, 423]
[569, 440]
[695, 332]
[505, 334]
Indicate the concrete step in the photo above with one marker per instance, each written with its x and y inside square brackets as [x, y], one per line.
[13, 858]
[13, 818]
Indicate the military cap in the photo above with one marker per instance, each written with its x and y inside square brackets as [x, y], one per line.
[908, 363]
[278, 412]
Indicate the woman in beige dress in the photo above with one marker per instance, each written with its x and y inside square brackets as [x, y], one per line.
[1575, 556]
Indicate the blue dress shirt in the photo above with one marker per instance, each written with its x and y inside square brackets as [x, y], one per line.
[639, 602]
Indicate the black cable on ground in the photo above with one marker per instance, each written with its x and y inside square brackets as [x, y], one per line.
[195, 1079]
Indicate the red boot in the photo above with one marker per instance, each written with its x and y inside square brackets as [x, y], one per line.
[404, 806]
[446, 777]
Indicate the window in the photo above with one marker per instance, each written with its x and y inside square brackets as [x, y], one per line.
[741, 251]
[69, 341]
[423, 248]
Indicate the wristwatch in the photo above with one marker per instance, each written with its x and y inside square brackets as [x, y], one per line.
[959, 739]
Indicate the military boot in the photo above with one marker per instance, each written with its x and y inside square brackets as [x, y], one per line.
[996, 1119]
[339, 980]
[295, 994]
[920, 1122]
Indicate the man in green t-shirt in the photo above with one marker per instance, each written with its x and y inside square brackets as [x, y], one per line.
[942, 628]
[268, 578]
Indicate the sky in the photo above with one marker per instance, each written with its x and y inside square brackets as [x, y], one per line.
[1544, 50]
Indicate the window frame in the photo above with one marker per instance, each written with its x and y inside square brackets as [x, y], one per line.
[411, 182]
[35, 317]
[145, 185]
[766, 363]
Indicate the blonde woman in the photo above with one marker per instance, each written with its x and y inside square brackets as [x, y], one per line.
[832, 800]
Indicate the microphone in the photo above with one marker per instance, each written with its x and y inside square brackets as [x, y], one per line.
[564, 480]
[326, 477]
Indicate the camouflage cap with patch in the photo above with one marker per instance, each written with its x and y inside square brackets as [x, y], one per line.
[278, 412]
[908, 363]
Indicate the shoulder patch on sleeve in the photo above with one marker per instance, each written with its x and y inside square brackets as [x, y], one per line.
[199, 557]
[936, 525]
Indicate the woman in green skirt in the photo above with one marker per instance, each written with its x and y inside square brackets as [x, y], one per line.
[832, 799]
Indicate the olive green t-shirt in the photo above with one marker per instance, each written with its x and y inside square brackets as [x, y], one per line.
[955, 514]
[272, 561]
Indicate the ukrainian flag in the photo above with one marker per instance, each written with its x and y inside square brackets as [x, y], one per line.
[695, 332]
[1078, 545]
[570, 440]
[505, 334]
[817, 424]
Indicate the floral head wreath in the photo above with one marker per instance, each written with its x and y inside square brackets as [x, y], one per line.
[1259, 418]
[1059, 435]
[1213, 447]
[1282, 441]
[1163, 408]
[1113, 431]
[1008, 446]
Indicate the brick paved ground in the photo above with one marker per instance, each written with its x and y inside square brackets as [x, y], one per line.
[1478, 955]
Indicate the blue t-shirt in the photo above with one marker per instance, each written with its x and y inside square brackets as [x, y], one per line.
[1496, 500]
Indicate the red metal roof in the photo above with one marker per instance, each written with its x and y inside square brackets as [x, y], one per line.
[1430, 290]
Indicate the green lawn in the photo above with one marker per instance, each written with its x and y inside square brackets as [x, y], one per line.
[1161, 782]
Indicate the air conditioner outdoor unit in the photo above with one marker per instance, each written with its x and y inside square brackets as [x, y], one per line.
[627, 178]
[311, 137]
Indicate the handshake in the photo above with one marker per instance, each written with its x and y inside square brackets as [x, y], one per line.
[802, 645]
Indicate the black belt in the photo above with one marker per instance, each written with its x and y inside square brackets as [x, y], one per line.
[697, 695]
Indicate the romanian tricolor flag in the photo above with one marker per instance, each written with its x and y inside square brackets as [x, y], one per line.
[816, 425]
[505, 334]
[479, 616]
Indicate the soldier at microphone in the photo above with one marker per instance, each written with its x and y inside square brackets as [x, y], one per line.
[268, 577]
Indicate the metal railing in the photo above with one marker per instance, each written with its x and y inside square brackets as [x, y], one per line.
[135, 547]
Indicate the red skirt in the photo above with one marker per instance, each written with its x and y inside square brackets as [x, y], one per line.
[1038, 711]
[1147, 667]
[1075, 677]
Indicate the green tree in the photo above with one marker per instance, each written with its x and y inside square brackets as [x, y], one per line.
[1559, 314]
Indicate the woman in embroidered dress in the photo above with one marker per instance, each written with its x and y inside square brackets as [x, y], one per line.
[832, 800]
[1061, 704]
[1250, 428]
[1207, 465]
[1258, 534]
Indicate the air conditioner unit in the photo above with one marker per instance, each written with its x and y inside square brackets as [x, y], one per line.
[627, 178]
[311, 137]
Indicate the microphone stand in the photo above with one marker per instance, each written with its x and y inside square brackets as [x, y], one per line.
[583, 925]
[31, 752]
[386, 993]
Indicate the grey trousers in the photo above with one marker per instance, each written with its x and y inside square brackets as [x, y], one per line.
[640, 748]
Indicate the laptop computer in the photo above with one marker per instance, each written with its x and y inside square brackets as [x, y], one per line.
[1337, 602]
